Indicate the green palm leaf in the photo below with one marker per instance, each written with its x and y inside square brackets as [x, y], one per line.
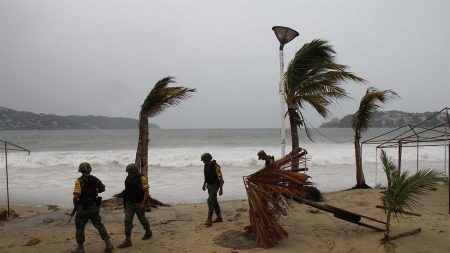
[162, 97]
[368, 106]
[404, 191]
[313, 78]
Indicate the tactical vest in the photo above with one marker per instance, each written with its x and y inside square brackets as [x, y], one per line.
[90, 186]
[270, 160]
[211, 177]
[133, 189]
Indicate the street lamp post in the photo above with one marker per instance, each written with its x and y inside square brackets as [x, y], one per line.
[284, 35]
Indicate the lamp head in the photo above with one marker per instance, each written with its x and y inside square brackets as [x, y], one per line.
[284, 34]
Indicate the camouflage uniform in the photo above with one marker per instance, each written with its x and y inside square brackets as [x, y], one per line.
[267, 158]
[135, 193]
[213, 182]
[130, 210]
[213, 203]
[83, 216]
[87, 204]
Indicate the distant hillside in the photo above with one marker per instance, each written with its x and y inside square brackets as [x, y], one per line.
[390, 119]
[19, 120]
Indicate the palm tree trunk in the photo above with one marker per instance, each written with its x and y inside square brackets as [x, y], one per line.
[293, 121]
[360, 180]
[388, 226]
[142, 149]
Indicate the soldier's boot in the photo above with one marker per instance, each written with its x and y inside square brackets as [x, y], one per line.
[78, 249]
[208, 222]
[108, 246]
[218, 219]
[147, 235]
[125, 244]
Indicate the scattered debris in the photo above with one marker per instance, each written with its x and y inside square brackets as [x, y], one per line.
[4, 214]
[48, 220]
[393, 237]
[270, 192]
[33, 242]
[54, 208]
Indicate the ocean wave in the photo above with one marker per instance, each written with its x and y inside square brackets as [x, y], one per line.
[186, 157]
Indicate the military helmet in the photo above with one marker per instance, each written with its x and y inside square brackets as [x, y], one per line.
[261, 153]
[85, 168]
[206, 157]
[132, 168]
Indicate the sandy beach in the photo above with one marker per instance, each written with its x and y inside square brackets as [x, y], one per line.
[180, 228]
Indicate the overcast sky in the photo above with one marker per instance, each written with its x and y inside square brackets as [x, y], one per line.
[102, 57]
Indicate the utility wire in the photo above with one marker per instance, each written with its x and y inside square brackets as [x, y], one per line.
[323, 135]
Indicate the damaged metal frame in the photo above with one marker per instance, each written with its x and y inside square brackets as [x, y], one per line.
[416, 136]
[4, 145]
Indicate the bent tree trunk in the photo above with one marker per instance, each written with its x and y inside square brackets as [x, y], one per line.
[142, 149]
[293, 121]
[360, 180]
[142, 155]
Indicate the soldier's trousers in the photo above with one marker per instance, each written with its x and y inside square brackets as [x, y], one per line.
[83, 216]
[213, 203]
[130, 210]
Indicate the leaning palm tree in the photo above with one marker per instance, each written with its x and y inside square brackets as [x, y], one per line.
[403, 191]
[313, 78]
[360, 123]
[160, 98]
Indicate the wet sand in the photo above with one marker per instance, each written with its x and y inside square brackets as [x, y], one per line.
[180, 228]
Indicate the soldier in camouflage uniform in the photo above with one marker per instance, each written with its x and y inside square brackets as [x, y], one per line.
[267, 158]
[87, 204]
[213, 182]
[135, 197]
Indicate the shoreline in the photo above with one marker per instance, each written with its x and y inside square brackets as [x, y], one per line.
[179, 228]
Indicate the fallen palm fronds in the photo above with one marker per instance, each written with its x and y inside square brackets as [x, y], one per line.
[270, 192]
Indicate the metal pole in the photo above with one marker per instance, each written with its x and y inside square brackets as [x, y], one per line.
[376, 166]
[417, 156]
[7, 183]
[448, 178]
[399, 165]
[445, 160]
[282, 102]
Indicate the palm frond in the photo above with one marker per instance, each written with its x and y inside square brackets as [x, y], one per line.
[270, 192]
[162, 97]
[313, 78]
[404, 191]
[368, 106]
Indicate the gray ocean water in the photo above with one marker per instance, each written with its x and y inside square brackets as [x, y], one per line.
[47, 175]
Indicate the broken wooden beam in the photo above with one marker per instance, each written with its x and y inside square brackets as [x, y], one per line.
[393, 237]
[352, 213]
[341, 213]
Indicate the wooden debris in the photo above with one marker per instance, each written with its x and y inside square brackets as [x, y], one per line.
[342, 214]
[270, 192]
[33, 242]
[47, 220]
[393, 237]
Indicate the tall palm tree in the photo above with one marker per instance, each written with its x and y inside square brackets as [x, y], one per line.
[403, 190]
[160, 98]
[313, 78]
[360, 123]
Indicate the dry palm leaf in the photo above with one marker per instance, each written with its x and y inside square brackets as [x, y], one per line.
[270, 192]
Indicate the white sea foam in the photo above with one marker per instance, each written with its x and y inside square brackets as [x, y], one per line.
[47, 175]
[320, 154]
